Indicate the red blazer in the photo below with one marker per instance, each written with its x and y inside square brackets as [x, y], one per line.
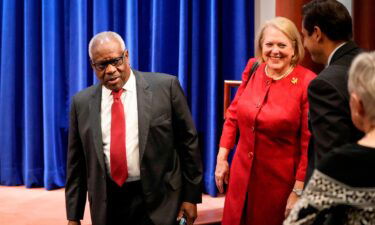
[272, 150]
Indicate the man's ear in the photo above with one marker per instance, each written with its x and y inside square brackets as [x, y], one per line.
[92, 65]
[126, 55]
[318, 35]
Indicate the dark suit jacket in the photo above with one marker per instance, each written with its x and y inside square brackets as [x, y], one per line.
[330, 120]
[171, 170]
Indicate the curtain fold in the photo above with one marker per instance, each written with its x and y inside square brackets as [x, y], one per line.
[11, 92]
[32, 149]
[44, 62]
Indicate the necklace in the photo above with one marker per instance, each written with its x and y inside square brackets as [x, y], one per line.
[287, 72]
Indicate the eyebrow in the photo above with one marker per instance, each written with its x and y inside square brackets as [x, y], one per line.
[108, 60]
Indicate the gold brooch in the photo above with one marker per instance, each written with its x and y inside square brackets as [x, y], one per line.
[294, 80]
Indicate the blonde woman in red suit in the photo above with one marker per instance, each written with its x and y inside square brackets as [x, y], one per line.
[270, 111]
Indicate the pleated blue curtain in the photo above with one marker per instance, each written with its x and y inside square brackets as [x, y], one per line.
[44, 62]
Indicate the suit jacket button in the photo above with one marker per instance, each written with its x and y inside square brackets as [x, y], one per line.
[253, 129]
[250, 154]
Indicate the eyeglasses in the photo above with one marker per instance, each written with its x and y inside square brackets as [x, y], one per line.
[116, 62]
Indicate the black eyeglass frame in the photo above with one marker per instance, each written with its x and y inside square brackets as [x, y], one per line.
[116, 62]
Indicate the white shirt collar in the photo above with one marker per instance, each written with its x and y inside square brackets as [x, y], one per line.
[333, 52]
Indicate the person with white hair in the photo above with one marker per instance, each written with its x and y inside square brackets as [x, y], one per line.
[133, 147]
[342, 188]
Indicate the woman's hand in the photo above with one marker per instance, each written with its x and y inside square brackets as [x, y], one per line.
[293, 197]
[222, 169]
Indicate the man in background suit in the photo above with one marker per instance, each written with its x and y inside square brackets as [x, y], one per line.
[133, 147]
[327, 32]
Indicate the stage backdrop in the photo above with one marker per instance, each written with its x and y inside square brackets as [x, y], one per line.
[44, 62]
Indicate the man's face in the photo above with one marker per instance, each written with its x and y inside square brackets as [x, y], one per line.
[111, 64]
[312, 46]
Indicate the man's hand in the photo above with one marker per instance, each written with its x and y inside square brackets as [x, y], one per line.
[72, 222]
[189, 210]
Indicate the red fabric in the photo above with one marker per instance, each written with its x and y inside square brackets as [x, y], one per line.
[272, 150]
[119, 168]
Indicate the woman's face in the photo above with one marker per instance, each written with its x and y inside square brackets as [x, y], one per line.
[277, 50]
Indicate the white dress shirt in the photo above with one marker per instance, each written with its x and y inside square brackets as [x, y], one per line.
[129, 101]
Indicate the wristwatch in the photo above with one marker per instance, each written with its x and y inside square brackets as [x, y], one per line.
[298, 192]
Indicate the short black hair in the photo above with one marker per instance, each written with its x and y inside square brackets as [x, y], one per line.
[330, 16]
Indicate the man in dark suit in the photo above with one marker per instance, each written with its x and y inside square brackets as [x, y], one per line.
[327, 32]
[133, 146]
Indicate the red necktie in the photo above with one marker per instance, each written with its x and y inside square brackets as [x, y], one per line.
[119, 168]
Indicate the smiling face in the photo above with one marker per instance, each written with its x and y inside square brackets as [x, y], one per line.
[115, 69]
[311, 43]
[277, 50]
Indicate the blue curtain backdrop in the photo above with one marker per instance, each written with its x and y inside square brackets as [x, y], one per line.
[44, 62]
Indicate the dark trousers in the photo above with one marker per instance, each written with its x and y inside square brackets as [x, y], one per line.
[126, 205]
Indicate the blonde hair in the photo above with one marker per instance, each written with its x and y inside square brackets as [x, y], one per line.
[290, 30]
[362, 82]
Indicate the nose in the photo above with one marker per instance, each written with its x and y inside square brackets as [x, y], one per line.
[110, 69]
[275, 49]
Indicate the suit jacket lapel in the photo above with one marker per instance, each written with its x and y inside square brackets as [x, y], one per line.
[95, 123]
[144, 100]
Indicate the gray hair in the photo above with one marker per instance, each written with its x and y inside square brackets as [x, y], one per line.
[104, 37]
[362, 82]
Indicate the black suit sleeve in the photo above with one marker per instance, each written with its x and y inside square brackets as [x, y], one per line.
[330, 118]
[76, 183]
[186, 141]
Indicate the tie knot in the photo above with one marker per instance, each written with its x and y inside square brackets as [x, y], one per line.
[117, 94]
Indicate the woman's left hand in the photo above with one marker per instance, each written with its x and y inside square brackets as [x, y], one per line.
[293, 197]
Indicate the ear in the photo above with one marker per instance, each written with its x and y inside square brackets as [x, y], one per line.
[318, 35]
[361, 108]
[126, 55]
[91, 64]
[356, 105]
[357, 111]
